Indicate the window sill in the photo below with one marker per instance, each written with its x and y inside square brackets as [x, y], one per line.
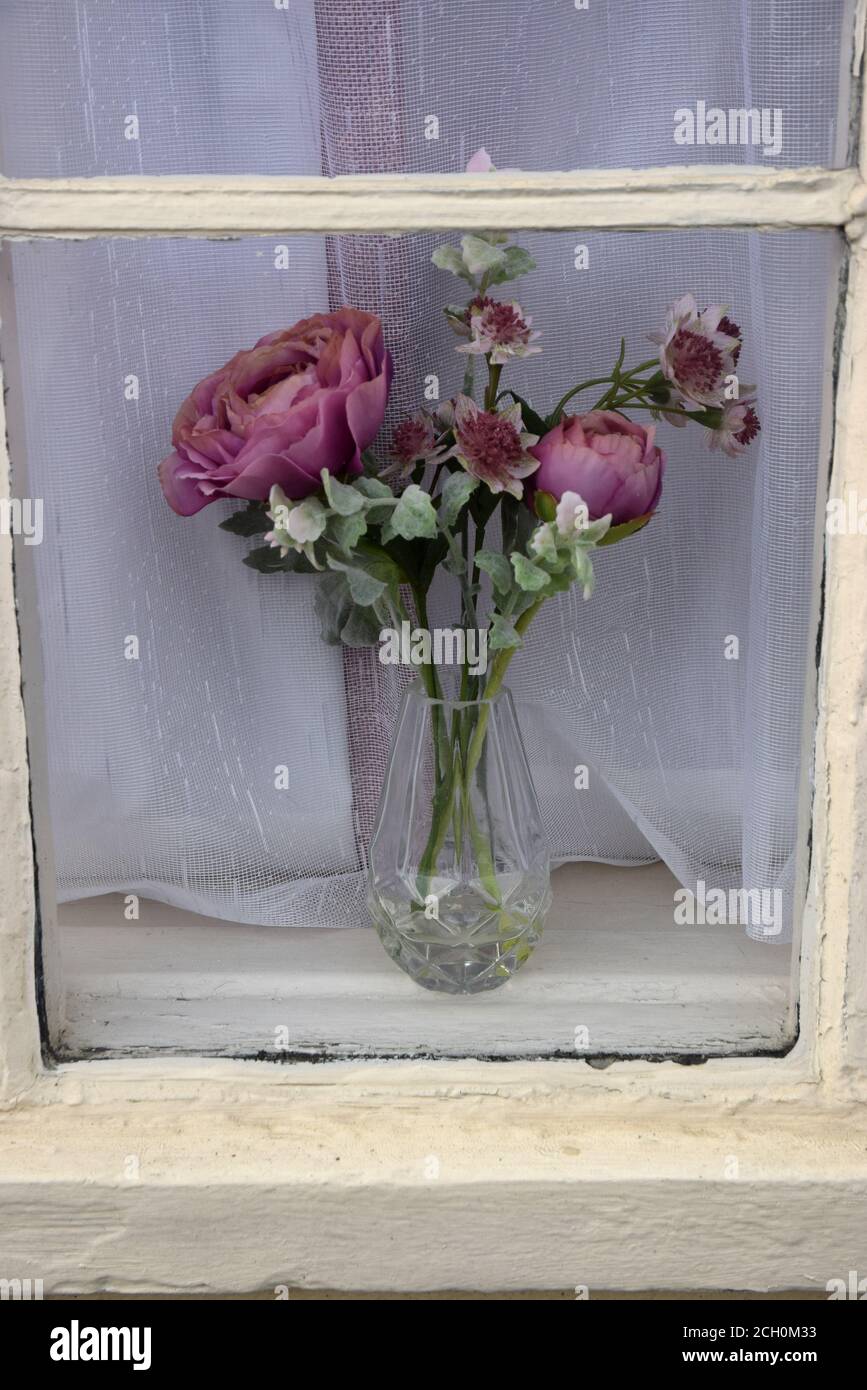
[612, 976]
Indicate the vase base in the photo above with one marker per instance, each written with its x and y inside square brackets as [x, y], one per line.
[456, 963]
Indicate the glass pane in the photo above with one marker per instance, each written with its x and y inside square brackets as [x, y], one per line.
[207, 750]
[307, 86]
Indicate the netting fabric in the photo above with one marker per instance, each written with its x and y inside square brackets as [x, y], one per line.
[231, 764]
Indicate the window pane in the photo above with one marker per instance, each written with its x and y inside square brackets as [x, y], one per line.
[207, 751]
[226, 86]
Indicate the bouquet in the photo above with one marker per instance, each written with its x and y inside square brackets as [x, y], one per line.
[510, 498]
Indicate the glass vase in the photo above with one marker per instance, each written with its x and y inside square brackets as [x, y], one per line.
[459, 876]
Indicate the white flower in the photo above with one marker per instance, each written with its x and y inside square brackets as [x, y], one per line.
[573, 514]
[698, 351]
[296, 524]
[737, 429]
[543, 542]
[415, 441]
[493, 445]
[500, 329]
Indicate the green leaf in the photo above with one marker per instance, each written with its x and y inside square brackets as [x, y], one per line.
[362, 627]
[468, 384]
[502, 633]
[456, 492]
[434, 553]
[626, 528]
[266, 559]
[342, 499]
[253, 521]
[595, 533]
[364, 588]
[413, 516]
[479, 256]
[532, 419]
[332, 603]
[447, 257]
[348, 530]
[584, 570]
[370, 463]
[529, 576]
[561, 580]
[516, 261]
[521, 601]
[455, 563]
[518, 523]
[376, 561]
[498, 567]
[545, 505]
[372, 487]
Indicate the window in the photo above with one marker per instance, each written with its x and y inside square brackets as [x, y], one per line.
[115, 985]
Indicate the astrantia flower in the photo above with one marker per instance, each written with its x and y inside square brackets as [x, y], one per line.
[728, 326]
[414, 441]
[492, 445]
[501, 329]
[698, 351]
[737, 429]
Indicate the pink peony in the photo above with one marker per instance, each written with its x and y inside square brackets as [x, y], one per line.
[303, 399]
[610, 462]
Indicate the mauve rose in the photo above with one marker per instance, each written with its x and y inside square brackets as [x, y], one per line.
[612, 463]
[303, 399]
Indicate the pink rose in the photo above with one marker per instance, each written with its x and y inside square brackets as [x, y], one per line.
[609, 461]
[303, 399]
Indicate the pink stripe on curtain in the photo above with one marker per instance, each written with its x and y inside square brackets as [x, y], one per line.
[363, 129]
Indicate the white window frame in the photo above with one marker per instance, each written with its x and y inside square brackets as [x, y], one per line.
[220, 1175]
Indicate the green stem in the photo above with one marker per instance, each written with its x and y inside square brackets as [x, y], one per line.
[430, 679]
[444, 808]
[582, 386]
[494, 371]
[695, 415]
[495, 681]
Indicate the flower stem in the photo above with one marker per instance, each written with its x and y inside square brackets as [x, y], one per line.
[582, 386]
[494, 370]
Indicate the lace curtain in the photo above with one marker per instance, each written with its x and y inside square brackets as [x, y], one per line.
[163, 765]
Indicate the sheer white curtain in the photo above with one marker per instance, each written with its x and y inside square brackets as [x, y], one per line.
[165, 768]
